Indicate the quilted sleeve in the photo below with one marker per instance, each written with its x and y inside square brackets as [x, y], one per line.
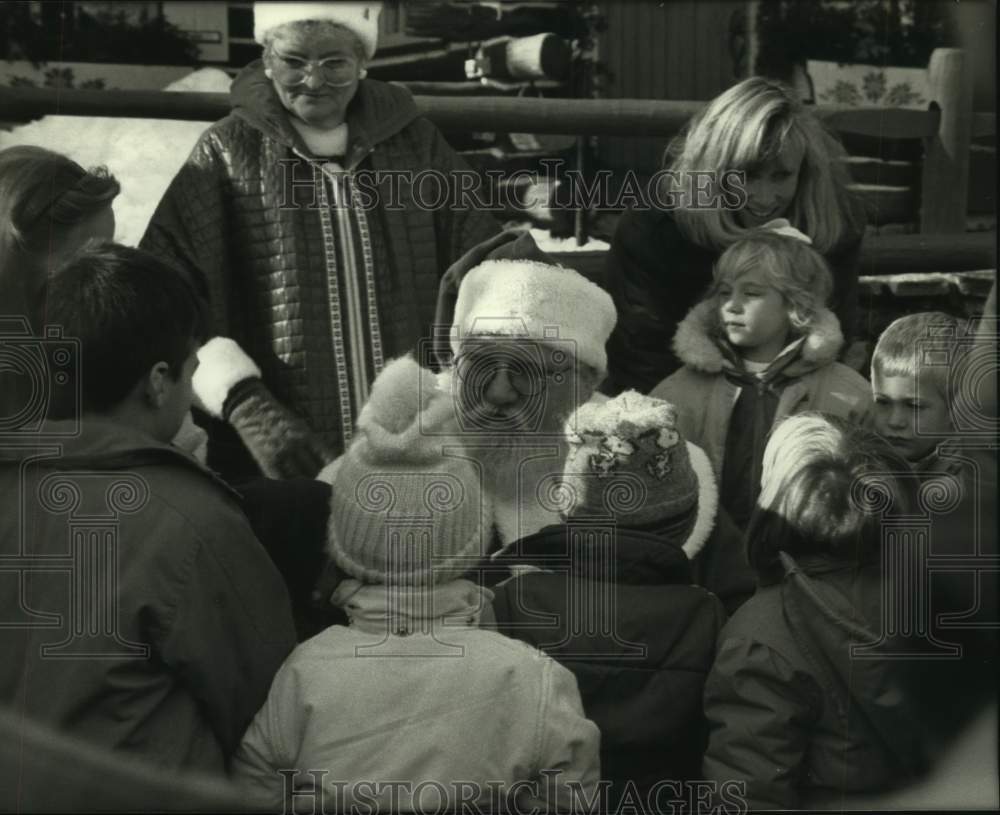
[189, 229]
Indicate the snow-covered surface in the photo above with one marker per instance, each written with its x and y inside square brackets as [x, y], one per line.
[143, 154]
[549, 244]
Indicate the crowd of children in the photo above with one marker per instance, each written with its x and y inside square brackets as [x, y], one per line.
[764, 481]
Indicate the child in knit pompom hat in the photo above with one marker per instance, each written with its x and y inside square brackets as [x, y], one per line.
[413, 690]
[615, 580]
[627, 462]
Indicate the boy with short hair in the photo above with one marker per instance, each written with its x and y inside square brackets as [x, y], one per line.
[142, 613]
[913, 398]
[925, 372]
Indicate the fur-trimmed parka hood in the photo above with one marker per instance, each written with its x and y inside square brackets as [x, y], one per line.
[698, 346]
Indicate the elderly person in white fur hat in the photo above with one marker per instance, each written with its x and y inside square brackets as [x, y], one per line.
[282, 212]
[413, 699]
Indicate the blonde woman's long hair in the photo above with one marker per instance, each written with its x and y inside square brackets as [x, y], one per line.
[746, 126]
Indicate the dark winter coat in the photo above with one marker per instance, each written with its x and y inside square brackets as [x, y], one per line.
[244, 215]
[133, 540]
[655, 275]
[792, 714]
[642, 685]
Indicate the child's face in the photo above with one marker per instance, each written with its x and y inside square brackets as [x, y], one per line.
[911, 415]
[754, 316]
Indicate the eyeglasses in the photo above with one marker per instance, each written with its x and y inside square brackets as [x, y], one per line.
[526, 371]
[337, 72]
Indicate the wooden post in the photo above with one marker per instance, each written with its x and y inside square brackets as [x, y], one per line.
[944, 186]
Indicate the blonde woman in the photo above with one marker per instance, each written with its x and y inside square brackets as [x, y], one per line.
[661, 258]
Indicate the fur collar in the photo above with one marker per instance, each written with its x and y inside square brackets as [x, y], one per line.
[697, 349]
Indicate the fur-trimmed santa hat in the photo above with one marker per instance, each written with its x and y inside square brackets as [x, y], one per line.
[360, 18]
[627, 461]
[407, 507]
[532, 297]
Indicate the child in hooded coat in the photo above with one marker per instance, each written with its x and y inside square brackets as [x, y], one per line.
[760, 347]
[413, 698]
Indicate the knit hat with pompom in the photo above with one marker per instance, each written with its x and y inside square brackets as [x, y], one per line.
[628, 462]
[407, 507]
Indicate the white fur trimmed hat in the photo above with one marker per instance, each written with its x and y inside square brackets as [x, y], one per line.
[360, 18]
[541, 301]
[406, 506]
[628, 460]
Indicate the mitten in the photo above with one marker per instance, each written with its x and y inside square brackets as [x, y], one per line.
[227, 385]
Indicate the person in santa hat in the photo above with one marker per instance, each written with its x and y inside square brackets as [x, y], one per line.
[314, 262]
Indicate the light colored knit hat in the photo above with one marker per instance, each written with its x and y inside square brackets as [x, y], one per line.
[628, 462]
[541, 301]
[360, 19]
[406, 507]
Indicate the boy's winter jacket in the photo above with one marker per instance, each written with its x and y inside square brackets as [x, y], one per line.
[793, 714]
[141, 612]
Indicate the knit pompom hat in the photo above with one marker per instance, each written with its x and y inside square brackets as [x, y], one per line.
[360, 18]
[406, 507]
[628, 462]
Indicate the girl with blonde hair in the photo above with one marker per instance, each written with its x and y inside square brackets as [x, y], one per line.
[764, 157]
[762, 345]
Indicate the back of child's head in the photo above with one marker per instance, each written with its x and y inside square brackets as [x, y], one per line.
[129, 311]
[902, 350]
[825, 485]
[43, 197]
[743, 128]
[629, 466]
[788, 264]
[407, 505]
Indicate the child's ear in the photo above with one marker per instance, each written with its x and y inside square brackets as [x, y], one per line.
[157, 384]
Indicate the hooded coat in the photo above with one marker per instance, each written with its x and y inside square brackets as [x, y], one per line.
[171, 657]
[793, 715]
[655, 274]
[319, 281]
[713, 394]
